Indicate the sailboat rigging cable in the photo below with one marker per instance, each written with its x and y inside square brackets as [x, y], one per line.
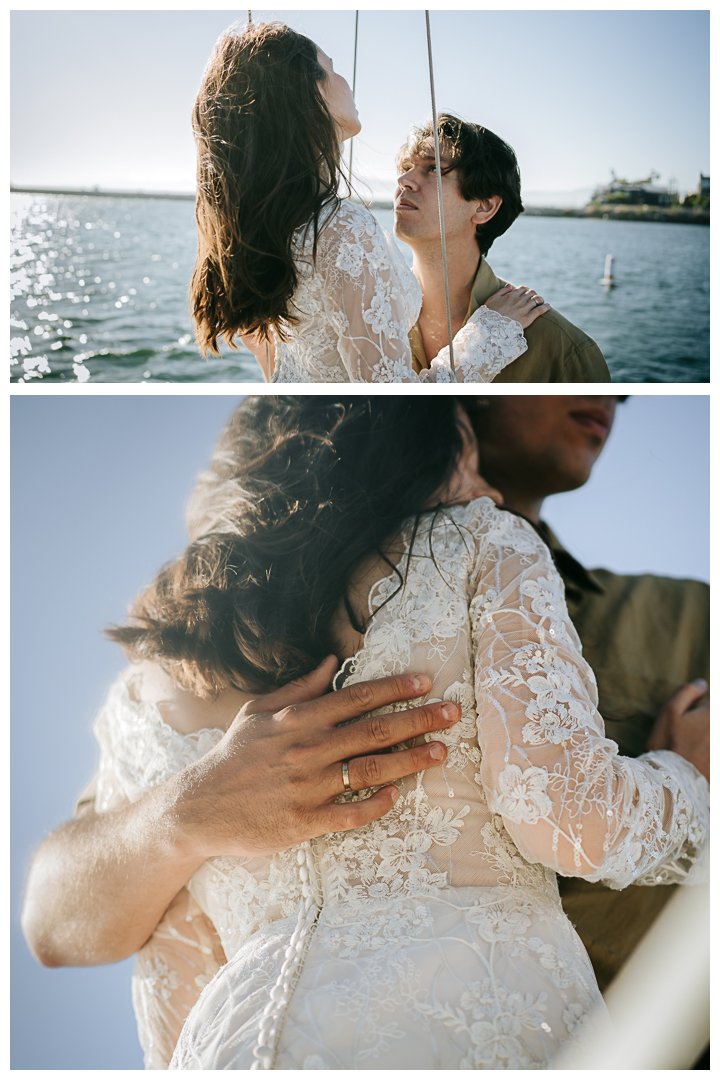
[440, 202]
[357, 15]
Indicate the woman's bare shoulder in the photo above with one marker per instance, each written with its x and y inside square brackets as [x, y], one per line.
[182, 710]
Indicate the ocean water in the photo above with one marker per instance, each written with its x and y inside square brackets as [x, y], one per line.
[99, 291]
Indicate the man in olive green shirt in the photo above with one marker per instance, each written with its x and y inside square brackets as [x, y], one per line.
[645, 637]
[481, 199]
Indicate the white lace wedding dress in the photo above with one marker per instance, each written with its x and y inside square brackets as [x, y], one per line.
[357, 303]
[433, 938]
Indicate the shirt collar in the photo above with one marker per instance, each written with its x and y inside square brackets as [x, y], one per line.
[417, 349]
[486, 283]
[572, 571]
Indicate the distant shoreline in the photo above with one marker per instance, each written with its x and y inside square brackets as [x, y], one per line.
[607, 213]
[107, 192]
[672, 215]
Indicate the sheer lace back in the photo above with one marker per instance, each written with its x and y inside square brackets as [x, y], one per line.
[530, 781]
[171, 971]
[441, 832]
[138, 749]
[528, 771]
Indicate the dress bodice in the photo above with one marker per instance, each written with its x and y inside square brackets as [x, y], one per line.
[434, 937]
[355, 303]
[530, 784]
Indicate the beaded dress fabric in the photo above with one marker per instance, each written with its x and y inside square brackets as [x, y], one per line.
[356, 303]
[434, 938]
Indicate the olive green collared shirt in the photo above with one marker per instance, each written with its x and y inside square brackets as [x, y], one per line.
[557, 351]
[643, 636]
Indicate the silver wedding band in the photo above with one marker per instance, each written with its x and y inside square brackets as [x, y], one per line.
[346, 776]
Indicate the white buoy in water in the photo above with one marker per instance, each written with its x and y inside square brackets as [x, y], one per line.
[608, 281]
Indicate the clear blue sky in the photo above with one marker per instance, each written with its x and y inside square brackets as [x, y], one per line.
[104, 97]
[99, 484]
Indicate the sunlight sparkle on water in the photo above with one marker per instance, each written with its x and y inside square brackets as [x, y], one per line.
[653, 327]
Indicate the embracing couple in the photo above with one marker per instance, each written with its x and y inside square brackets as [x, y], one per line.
[310, 282]
[298, 897]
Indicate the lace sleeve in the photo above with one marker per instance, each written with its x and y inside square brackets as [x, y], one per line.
[365, 300]
[171, 970]
[110, 792]
[486, 344]
[137, 751]
[566, 796]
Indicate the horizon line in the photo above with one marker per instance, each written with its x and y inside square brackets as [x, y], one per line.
[140, 193]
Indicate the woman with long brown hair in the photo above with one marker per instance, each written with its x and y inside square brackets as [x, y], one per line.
[432, 938]
[306, 278]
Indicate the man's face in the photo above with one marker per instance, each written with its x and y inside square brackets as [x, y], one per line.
[540, 445]
[416, 202]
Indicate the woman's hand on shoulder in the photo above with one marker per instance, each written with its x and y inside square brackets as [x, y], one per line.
[521, 304]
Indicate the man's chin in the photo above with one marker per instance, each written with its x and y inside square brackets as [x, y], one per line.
[575, 475]
[401, 231]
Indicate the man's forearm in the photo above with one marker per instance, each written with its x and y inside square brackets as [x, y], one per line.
[99, 885]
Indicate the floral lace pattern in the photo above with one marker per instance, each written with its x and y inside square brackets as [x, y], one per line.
[457, 981]
[356, 305]
[568, 800]
[138, 749]
[441, 942]
[486, 344]
[171, 971]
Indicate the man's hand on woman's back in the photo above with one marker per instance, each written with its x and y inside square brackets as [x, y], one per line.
[273, 779]
[99, 885]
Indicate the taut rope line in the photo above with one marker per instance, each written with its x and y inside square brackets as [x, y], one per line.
[357, 16]
[440, 202]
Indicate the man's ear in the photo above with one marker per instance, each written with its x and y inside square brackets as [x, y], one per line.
[486, 209]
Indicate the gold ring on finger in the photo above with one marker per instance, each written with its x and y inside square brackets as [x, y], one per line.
[346, 776]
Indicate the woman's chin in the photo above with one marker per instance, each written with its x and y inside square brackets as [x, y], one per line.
[350, 132]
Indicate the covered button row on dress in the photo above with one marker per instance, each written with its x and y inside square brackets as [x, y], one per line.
[281, 992]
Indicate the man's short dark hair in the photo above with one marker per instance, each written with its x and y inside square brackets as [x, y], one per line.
[486, 166]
